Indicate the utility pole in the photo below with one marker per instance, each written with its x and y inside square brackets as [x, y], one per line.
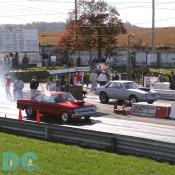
[153, 25]
[75, 11]
[128, 58]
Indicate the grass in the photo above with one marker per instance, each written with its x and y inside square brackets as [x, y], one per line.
[59, 159]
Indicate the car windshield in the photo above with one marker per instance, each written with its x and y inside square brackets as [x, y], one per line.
[58, 98]
[131, 85]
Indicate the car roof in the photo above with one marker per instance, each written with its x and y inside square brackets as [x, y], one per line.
[122, 81]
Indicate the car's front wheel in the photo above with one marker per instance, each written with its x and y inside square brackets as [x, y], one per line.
[64, 117]
[133, 99]
[151, 101]
[104, 97]
[30, 113]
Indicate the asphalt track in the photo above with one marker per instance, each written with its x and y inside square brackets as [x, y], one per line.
[107, 121]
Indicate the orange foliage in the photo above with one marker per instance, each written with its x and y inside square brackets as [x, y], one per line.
[164, 36]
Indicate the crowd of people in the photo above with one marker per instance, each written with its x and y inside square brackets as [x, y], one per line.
[12, 60]
[18, 86]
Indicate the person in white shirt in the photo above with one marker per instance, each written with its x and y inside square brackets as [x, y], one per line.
[102, 78]
[50, 84]
[18, 86]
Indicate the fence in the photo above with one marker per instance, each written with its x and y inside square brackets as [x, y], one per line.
[100, 140]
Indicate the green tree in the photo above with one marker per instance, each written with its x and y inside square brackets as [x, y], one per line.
[97, 26]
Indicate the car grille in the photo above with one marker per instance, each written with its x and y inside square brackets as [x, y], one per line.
[153, 95]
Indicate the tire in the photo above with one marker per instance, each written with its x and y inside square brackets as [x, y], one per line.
[133, 99]
[64, 117]
[151, 101]
[31, 114]
[104, 97]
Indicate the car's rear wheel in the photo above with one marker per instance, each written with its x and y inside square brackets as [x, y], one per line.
[64, 117]
[30, 112]
[133, 99]
[104, 97]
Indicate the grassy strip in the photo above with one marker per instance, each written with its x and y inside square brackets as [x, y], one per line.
[59, 159]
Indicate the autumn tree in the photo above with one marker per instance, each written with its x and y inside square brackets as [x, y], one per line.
[97, 26]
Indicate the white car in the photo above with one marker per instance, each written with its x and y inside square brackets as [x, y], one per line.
[126, 90]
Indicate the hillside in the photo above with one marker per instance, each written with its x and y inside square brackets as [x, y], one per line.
[164, 36]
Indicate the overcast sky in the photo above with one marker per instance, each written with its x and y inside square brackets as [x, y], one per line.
[137, 12]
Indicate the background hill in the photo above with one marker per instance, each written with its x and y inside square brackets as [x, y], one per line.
[49, 33]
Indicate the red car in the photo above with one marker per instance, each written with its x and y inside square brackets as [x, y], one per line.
[57, 103]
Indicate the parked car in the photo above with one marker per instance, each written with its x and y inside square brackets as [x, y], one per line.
[57, 103]
[126, 90]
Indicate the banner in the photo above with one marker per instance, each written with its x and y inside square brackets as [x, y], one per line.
[18, 40]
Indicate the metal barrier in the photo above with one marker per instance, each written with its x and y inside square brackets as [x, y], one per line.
[100, 140]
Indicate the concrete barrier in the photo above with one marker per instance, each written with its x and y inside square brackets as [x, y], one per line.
[151, 110]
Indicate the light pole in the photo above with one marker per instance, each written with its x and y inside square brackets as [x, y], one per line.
[128, 58]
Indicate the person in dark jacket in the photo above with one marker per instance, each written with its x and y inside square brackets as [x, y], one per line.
[34, 86]
[172, 81]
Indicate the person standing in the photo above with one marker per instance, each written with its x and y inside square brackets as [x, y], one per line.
[160, 78]
[93, 80]
[34, 86]
[50, 84]
[102, 78]
[172, 81]
[147, 81]
[18, 86]
[7, 87]
[25, 61]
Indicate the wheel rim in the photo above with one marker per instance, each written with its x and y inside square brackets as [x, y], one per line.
[133, 100]
[64, 117]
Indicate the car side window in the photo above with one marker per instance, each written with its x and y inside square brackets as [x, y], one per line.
[110, 85]
[117, 86]
[38, 98]
[48, 99]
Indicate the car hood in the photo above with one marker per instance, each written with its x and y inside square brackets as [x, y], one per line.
[139, 91]
[74, 104]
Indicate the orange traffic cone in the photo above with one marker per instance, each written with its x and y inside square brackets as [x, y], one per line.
[20, 115]
[38, 117]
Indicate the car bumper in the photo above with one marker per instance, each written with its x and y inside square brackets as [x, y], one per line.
[149, 99]
[86, 114]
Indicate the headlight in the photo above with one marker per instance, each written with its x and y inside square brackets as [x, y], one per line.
[146, 95]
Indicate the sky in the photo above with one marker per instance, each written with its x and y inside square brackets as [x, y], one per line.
[137, 12]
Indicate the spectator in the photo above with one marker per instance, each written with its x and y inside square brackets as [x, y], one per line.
[172, 81]
[50, 84]
[115, 76]
[93, 80]
[18, 86]
[86, 80]
[7, 87]
[78, 61]
[160, 77]
[25, 61]
[147, 81]
[34, 86]
[78, 76]
[102, 78]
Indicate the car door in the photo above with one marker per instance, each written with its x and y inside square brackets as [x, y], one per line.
[117, 91]
[48, 105]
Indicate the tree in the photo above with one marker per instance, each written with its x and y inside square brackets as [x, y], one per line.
[97, 26]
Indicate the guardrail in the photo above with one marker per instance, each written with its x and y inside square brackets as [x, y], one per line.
[100, 140]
